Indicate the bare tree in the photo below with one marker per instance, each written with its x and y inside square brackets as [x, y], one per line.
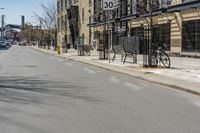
[48, 20]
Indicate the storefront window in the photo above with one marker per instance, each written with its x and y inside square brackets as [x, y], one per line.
[161, 35]
[138, 31]
[191, 36]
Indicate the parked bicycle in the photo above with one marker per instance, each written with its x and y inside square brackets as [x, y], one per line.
[160, 57]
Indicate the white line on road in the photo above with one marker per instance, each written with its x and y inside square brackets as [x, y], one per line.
[60, 60]
[133, 86]
[89, 70]
[69, 64]
[52, 57]
[114, 79]
[197, 103]
[192, 99]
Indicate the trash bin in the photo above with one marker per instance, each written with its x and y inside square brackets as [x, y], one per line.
[103, 54]
[80, 51]
[80, 46]
[64, 48]
[103, 47]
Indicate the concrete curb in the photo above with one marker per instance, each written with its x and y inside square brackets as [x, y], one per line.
[143, 78]
[150, 77]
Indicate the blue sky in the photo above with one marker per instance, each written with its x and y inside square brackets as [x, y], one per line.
[14, 9]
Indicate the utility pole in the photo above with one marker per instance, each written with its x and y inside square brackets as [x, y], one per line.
[2, 22]
[2, 25]
[151, 33]
[22, 21]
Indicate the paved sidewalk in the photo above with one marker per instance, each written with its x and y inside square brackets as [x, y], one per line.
[184, 73]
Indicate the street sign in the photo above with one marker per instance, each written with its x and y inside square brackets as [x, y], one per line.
[116, 3]
[108, 4]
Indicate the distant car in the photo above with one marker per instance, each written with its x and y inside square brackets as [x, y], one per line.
[8, 44]
[2, 44]
[5, 44]
[15, 43]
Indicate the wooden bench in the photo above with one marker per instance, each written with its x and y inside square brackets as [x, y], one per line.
[130, 47]
[130, 52]
[84, 49]
[117, 49]
[87, 48]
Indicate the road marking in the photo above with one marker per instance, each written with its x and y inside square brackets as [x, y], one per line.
[196, 102]
[52, 57]
[133, 86]
[69, 64]
[114, 79]
[60, 60]
[192, 99]
[89, 70]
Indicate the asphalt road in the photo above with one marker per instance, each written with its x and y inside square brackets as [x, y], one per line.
[40, 93]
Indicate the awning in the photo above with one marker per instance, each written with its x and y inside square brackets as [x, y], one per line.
[95, 24]
[134, 16]
[154, 13]
[127, 18]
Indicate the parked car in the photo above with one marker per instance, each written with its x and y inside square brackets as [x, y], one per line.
[15, 43]
[2, 44]
[8, 44]
[5, 44]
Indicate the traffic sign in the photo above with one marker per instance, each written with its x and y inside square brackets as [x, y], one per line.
[108, 4]
[116, 3]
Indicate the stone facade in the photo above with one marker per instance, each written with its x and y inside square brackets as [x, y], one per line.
[91, 21]
[175, 20]
[70, 28]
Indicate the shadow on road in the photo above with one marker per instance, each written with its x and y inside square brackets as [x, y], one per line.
[27, 90]
[3, 49]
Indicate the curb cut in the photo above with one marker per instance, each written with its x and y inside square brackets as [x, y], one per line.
[180, 88]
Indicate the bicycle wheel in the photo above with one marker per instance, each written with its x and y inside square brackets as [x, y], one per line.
[165, 60]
